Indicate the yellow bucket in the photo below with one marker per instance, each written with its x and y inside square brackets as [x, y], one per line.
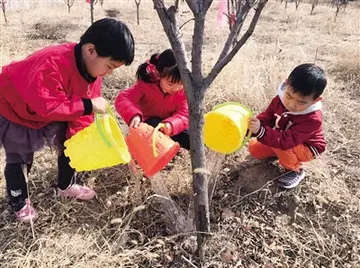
[226, 126]
[99, 145]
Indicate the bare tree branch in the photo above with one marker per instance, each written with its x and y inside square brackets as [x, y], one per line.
[197, 7]
[169, 22]
[207, 4]
[3, 7]
[197, 44]
[192, 5]
[186, 22]
[240, 17]
[222, 63]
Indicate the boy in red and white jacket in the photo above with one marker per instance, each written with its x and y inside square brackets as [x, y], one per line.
[291, 126]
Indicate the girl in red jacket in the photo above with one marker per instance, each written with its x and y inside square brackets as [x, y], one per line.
[157, 96]
[291, 126]
[51, 95]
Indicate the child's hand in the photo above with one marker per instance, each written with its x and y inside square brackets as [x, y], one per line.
[99, 105]
[167, 130]
[254, 125]
[135, 121]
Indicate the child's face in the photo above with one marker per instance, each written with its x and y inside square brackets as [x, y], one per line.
[294, 102]
[96, 65]
[169, 87]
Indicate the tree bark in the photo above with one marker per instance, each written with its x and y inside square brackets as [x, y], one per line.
[198, 163]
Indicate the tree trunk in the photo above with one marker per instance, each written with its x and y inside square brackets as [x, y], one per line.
[92, 11]
[69, 7]
[312, 9]
[200, 173]
[337, 11]
[4, 12]
[138, 13]
[195, 86]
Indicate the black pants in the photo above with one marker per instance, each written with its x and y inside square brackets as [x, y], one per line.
[15, 179]
[182, 138]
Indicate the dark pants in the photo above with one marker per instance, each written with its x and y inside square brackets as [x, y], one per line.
[15, 180]
[182, 138]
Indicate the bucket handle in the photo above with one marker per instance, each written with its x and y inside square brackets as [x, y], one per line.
[232, 102]
[247, 138]
[100, 129]
[251, 114]
[156, 130]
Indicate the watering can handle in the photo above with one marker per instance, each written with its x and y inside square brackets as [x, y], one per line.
[251, 113]
[110, 111]
[97, 120]
[159, 126]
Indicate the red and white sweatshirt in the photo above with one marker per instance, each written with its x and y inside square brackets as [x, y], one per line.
[285, 130]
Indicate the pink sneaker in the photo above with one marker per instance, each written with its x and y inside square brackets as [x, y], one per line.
[27, 213]
[77, 191]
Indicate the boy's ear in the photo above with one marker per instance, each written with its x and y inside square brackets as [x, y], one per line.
[286, 81]
[89, 50]
[318, 99]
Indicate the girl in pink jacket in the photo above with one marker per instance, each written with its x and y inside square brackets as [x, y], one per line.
[157, 96]
[50, 96]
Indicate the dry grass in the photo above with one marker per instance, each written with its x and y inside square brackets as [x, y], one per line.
[254, 224]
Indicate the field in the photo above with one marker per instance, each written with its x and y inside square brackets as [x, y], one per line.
[253, 223]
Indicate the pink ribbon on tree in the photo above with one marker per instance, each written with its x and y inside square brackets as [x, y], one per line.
[221, 10]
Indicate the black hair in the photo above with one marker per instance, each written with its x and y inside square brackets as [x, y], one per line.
[165, 64]
[111, 38]
[308, 80]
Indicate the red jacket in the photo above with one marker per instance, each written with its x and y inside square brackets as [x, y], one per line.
[285, 130]
[47, 87]
[147, 100]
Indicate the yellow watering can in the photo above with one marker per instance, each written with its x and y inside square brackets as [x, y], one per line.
[226, 127]
[99, 145]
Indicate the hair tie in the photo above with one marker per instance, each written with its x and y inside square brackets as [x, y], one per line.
[152, 71]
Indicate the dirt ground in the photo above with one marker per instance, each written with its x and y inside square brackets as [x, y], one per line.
[254, 223]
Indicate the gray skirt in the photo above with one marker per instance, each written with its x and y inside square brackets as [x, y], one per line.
[21, 142]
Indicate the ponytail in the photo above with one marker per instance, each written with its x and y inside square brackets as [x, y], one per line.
[147, 71]
[163, 65]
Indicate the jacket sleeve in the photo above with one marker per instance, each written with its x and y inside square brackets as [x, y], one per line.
[85, 120]
[127, 102]
[44, 94]
[294, 136]
[78, 125]
[180, 119]
[267, 117]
